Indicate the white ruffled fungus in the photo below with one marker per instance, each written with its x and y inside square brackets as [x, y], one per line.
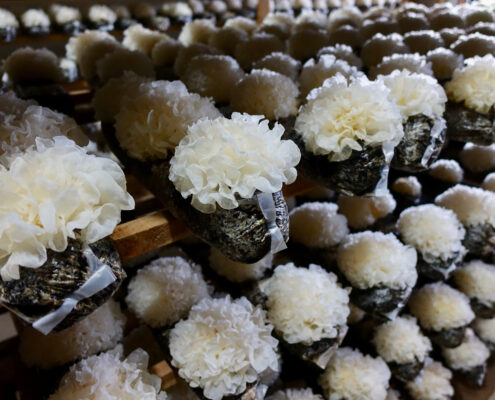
[281, 63]
[352, 375]
[432, 383]
[107, 99]
[450, 35]
[295, 394]
[266, 93]
[474, 84]
[109, 376]
[311, 19]
[348, 35]
[317, 225]
[380, 46]
[137, 37]
[401, 341]
[165, 52]
[186, 54]
[433, 231]
[342, 52]
[470, 354]
[176, 9]
[86, 195]
[438, 307]
[222, 346]
[279, 18]
[227, 38]
[28, 64]
[216, 6]
[415, 93]
[485, 329]
[447, 171]
[393, 394]
[164, 291]
[478, 158]
[313, 73]
[412, 21]
[356, 314]
[341, 117]
[220, 160]
[305, 305]
[99, 331]
[213, 76]
[473, 206]
[8, 19]
[305, 43]
[152, 121]
[410, 62]
[423, 41]
[35, 17]
[362, 212]
[489, 182]
[445, 18]
[279, 30]
[114, 64]
[234, 5]
[63, 14]
[476, 279]
[242, 23]
[444, 62]
[199, 30]
[407, 186]
[344, 16]
[474, 45]
[368, 259]
[21, 122]
[101, 13]
[238, 272]
[256, 47]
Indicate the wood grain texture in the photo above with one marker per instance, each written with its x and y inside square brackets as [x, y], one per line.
[165, 373]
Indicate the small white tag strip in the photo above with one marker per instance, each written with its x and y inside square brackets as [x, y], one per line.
[267, 206]
[101, 277]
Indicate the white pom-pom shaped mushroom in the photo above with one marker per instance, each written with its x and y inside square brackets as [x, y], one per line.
[380, 46]
[341, 117]
[238, 272]
[8, 19]
[352, 375]
[432, 383]
[485, 329]
[474, 84]
[86, 196]
[444, 62]
[410, 62]
[438, 307]
[165, 52]
[243, 23]
[27, 64]
[227, 38]
[362, 212]
[266, 93]
[433, 231]
[101, 13]
[199, 30]
[447, 170]
[407, 186]
[474, 45]
[114, 64]
[212, 76]
[401, 341]
[164, 291]
[317, 225]
[223, 346]
[470, 354]
[415, 93]
[423, 41]
[305, 305]
[109, 376]
[478, 158]
[256, 47]
[314, 73]
[137, 37]
[304, 43]
[476, 280]
[99, 331]
[489, 182]
[62, 14]
[232, 158]
[152, 121]
[187, 53]
[35, 17]
[369, 259]
[281, 63]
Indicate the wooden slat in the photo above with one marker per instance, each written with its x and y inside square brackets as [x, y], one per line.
[165, 373]
[150, 232]
[263, 10]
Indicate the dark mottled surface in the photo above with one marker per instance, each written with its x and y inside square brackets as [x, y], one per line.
[448, 337]
[436, 270]
[240, 234]
[406, 372]
[466, 125]
[482, 310]
[37, 31]
[358, 175]
[381, 302]
[478, 240]
[474, 376]
[417, 139]
[8, 33]
[42, 290]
